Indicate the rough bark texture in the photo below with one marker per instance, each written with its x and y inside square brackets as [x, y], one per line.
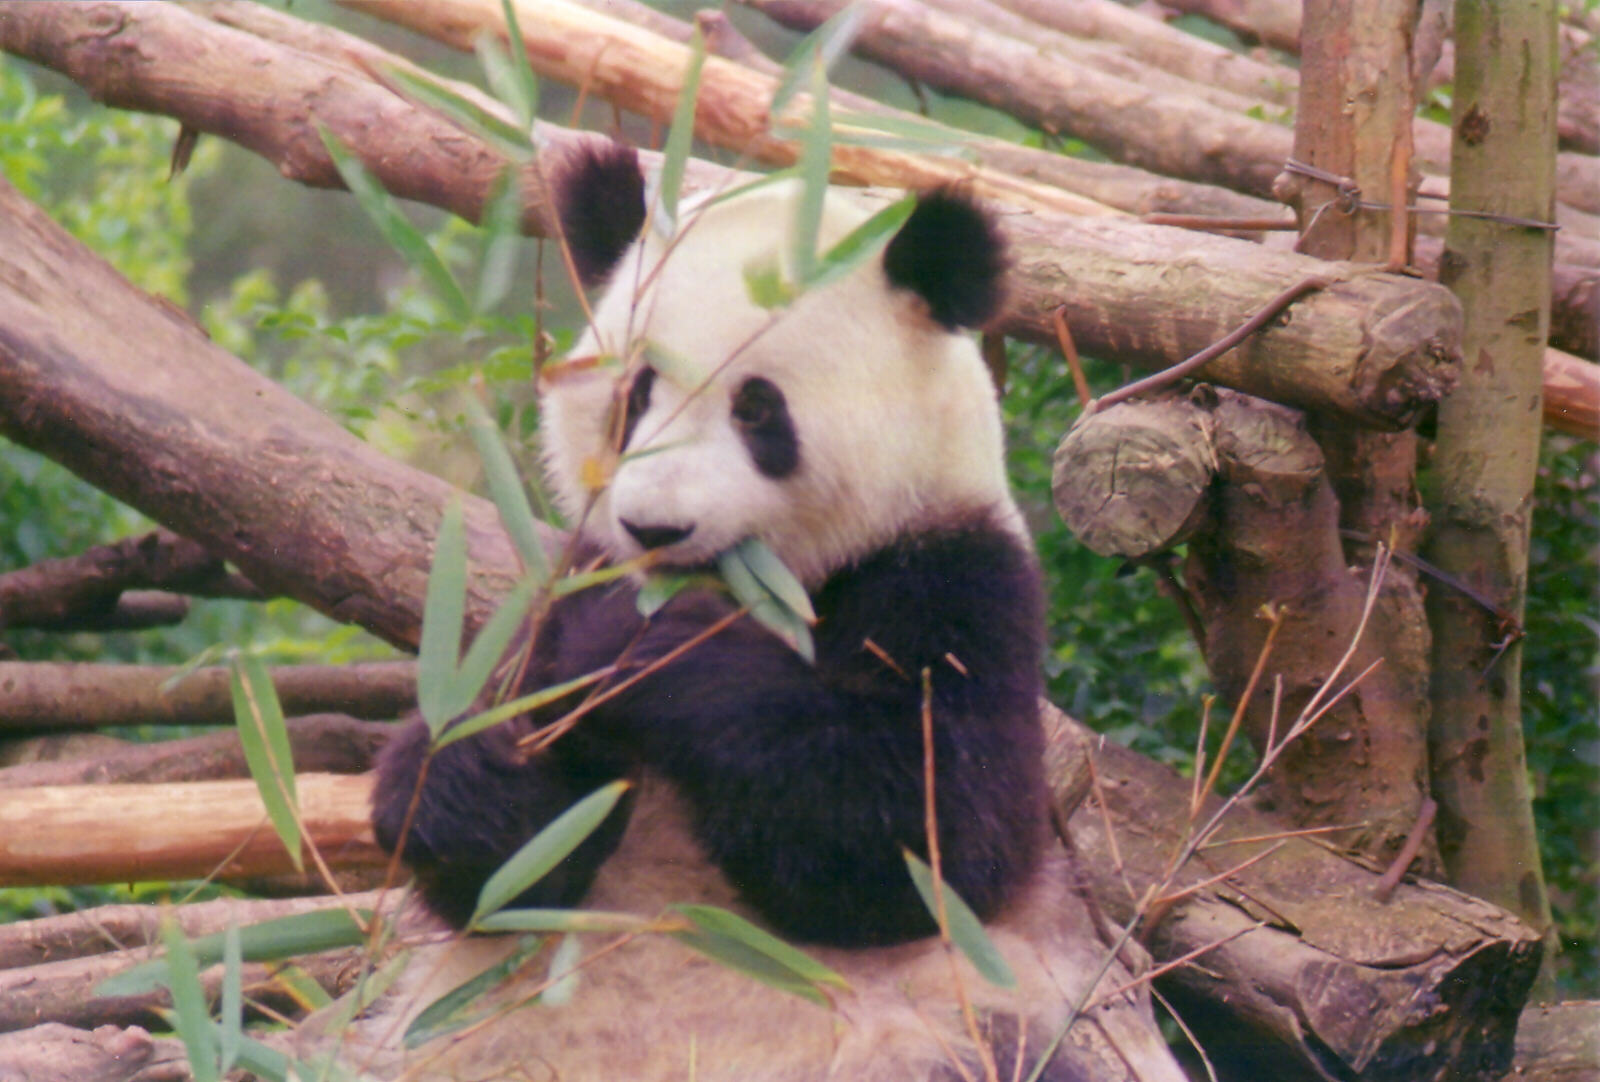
[1487, 449]
[1242, 481]
[134, 833]
[42, 695]
[320, 744]
[1354, 120]
[1336, 984]
[60, 1053]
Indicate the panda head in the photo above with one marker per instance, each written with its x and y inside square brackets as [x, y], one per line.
[689, 417]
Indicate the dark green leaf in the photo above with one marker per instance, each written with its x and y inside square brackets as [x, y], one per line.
[564, 920]
[283, 937]
[721, 922]
[395, 226]
[512, 707]
[230, 1021]
[443, 612]
[489, 647]
[463, 1004]
[965, 930]
[509, 495]
[546, 849]
[264, 739]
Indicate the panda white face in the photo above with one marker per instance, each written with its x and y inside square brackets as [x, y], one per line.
[825, 428]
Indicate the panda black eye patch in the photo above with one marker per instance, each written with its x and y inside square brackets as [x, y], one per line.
[761, 415]
[638, 401]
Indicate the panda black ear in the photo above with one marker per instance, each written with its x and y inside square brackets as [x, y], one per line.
[951, 255]
[599, 193]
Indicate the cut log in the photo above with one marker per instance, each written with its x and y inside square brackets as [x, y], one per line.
[131, 833]
[63, 696]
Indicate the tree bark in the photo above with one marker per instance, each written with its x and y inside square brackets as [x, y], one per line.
[58, 1053]
[1487, 449]
[57, 696]
[131, 833]
[319, 744]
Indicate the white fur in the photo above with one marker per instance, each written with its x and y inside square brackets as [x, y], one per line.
[656, 1011]
[897, 417]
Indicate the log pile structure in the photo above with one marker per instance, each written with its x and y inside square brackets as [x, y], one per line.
[1290, 956]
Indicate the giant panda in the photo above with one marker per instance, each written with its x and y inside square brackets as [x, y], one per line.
[856, 432]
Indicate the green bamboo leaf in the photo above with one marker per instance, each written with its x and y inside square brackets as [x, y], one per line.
[765, 608]
[546, 849]
[521, 69]
[764, 284]
[659, 589]
[463, 1004]
[504, 79]
[863, 242]
[776, 577]
[720, 922]
[267, 1062]
[464, 113]
[191, 1017]
[230, 1021]
[679, 137]
[264, 739]
[370, 988]
[965, 929]
[509, 495]
[512, 707]
[302, 987]
[583, 580]
[815, 163]
[489, 647]
[395, 226]
[502, 232]
[267, 941]
[825, 44]
[564, 921]
[674, 367]
[562, 976]
[443, 612]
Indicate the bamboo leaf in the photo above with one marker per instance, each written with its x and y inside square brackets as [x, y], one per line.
[512, 707]
[547, 848]
[826, 44]
[264, 739]
[395, 227]
[191, 1018]
[230, 1022]
[268, 941]
[965, 930]
[508, 492]
[675, 368]
[679, 138]
[443, 612]
[863, 242]
[465, 114]
[565, 921]
[563, 973]
[659, 589]
[816, 160]
[764, 606]
[764, 284]
[489, 647]
[717, 921]
[776, 577]
[521, 68]
[462, 1005]
[502, 230]
[501, 73]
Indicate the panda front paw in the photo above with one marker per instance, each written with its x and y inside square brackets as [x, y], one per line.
[472, 804]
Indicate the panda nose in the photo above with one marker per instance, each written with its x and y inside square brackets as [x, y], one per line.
[657, 537]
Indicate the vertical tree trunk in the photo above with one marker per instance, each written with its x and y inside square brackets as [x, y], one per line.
[1487, 449]
[1368, 762]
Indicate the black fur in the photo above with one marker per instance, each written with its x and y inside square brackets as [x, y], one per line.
[950, 254]
[803, 782]
[761, 415]
[600, 196]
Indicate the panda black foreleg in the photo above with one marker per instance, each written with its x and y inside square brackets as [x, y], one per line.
[475, 804]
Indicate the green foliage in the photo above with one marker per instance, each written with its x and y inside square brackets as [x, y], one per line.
[1560, 686]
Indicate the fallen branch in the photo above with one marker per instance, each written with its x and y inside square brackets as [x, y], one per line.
[320, 744]
[41, 695]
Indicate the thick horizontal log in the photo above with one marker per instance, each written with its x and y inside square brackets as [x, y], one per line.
[130, 833]
[53, 696]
